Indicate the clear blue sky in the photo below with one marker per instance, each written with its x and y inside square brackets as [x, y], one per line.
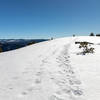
[48, 18]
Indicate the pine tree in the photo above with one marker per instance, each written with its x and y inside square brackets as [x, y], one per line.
[91, 34]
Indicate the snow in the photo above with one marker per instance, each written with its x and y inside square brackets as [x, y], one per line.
[88, 68]
[51, 70]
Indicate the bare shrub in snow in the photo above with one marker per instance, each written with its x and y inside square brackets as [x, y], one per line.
[86, 47]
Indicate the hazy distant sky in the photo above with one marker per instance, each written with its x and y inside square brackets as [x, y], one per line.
[48, 18]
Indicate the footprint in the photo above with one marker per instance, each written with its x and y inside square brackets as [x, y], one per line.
[15, 78]
[53, 97]
[30, 89]
[38, 73]
[77, 92]
[24, 93]
[38, 81]
[10, 88]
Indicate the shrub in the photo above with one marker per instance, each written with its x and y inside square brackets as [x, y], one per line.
[1, 50]
[97, 34]
[73, 35]
[51, 38]
[30, 43]
[92, 34]
[86, 47]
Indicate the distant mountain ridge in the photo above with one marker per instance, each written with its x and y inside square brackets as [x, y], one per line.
[11, 44]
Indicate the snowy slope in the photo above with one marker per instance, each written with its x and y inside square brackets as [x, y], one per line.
[51, 70]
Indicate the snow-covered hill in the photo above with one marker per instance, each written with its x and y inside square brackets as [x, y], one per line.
[51, 70]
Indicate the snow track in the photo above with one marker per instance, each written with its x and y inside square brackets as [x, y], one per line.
[69, 86]
[62, 79]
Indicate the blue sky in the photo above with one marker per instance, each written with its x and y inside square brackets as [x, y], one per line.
[48, 18]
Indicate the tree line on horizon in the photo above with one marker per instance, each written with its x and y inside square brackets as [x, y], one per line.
[92, 34]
